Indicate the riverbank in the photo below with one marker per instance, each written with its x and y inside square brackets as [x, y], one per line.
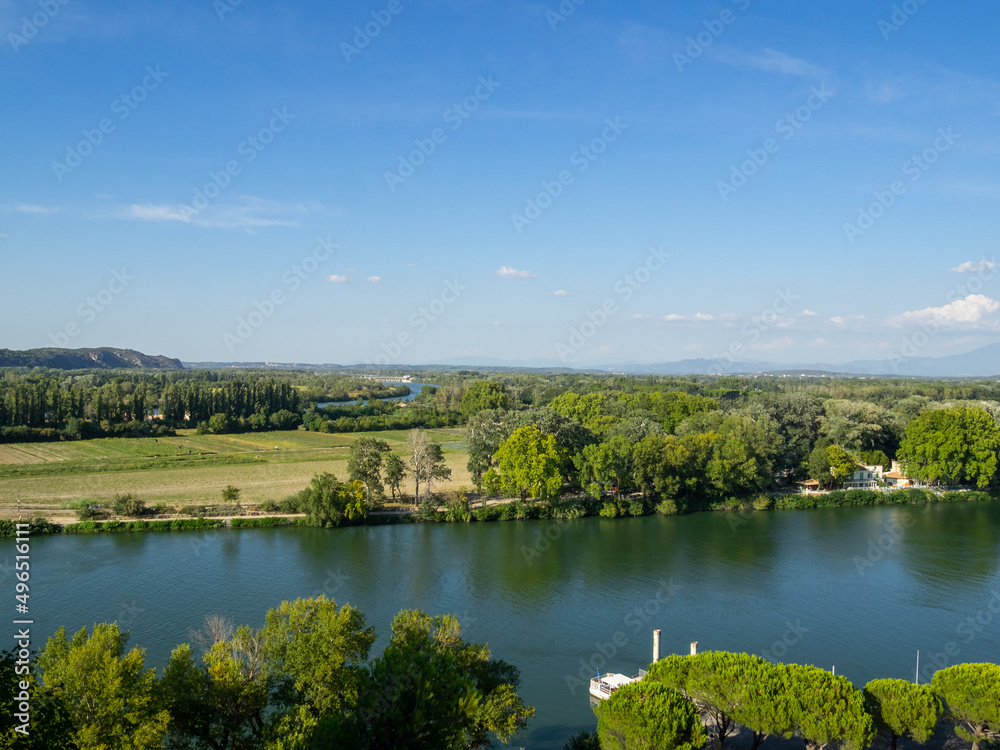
[513, 509]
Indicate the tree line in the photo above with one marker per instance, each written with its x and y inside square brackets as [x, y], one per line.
[681, 451]
[685, 701]
[302, 681]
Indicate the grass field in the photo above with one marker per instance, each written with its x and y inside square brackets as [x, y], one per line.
[188, 469]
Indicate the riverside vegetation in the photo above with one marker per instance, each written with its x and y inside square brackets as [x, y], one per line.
[575, 445]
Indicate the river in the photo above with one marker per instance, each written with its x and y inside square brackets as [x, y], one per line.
[858, 589]
[415, 389]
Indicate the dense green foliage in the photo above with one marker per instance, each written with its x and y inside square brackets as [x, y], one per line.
[302, 681]
[971, 694]
[903, 709]
[646, 715]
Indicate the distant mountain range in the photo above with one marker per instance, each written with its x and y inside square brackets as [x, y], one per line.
[980, 363]
[104, 358]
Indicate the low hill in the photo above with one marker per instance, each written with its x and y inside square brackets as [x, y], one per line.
[104, 358]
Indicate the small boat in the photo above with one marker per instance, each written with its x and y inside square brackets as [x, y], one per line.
[603, 686]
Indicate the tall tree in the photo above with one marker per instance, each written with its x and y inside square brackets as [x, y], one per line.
[395, 473]
[955, 445]
[108, 692]
[364, 464]
[650, 716]
[902, 709]
[429, 690]
[827, 708]
[529, 463]
[971, 693]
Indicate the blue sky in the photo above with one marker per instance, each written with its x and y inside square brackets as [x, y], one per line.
[586, 182]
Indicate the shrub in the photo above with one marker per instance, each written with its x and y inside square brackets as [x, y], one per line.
[762, 502]
[667, 508]
[609, 509]
[90, 513]
[489, 513]
[269, 506]
[128, 505]
[292, 503]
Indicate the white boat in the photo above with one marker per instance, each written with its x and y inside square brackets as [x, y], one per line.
[603, 686]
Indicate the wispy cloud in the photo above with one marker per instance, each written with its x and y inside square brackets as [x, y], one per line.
[375, 279]
[337, 279]
[31, 208]
[560, 293]
[249, 213]
[970, 267]
[773, 61]
[508, 272]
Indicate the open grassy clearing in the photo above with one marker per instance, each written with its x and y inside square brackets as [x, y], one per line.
[54, 475]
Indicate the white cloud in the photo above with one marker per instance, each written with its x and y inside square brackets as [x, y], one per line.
[969, 311]
[809, 314]
[560, 293]
[33, 208]
[838, 319]
[249, 213]
[970, 267]
[508, 272]
[375, 279]
[701, 317]
[337, 279]
[693, 347]
[782, 343]
[820, 342]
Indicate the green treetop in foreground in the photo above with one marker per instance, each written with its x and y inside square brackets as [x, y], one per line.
[971, 693]
[647, 715]
[303, 681]
[903, 709]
